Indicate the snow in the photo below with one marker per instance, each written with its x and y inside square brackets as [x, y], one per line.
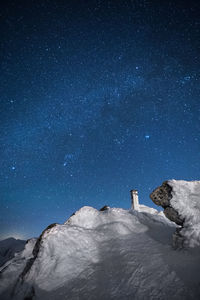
[111, 254]
[186, 201]
[150, 210]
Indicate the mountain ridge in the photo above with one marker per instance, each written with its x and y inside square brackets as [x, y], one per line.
[105, 254]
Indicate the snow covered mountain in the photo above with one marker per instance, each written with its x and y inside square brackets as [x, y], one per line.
[181, 202]
[107, 254]
[8, 248]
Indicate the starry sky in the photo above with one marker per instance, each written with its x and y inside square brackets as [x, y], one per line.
[97, 98]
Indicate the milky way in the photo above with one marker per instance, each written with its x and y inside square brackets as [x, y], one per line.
[97, 98]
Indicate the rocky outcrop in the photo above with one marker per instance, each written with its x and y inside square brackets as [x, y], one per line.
[36, 251]
[29, 263]
[162, 196]
[105, 207]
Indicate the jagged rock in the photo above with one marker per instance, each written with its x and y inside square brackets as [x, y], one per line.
[172, 215]
[162, 196]
[105, 207]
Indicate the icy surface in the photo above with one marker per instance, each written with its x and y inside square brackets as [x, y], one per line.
[186, 201]
[114, 254]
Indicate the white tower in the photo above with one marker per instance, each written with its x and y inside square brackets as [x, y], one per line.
[134, 200]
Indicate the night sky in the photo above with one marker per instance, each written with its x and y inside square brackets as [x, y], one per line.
[97, 98]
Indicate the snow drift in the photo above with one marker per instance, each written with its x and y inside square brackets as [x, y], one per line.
[107, 254]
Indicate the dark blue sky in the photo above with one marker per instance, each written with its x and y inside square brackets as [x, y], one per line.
[97, 98]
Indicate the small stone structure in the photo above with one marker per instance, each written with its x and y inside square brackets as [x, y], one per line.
[134, 199]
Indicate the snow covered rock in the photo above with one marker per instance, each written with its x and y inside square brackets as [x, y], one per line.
[181, 202]
[109, 254]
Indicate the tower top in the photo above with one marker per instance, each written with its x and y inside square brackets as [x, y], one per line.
[134, 191]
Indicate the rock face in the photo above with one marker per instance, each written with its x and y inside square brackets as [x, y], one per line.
[162, 196]
[105, 207]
